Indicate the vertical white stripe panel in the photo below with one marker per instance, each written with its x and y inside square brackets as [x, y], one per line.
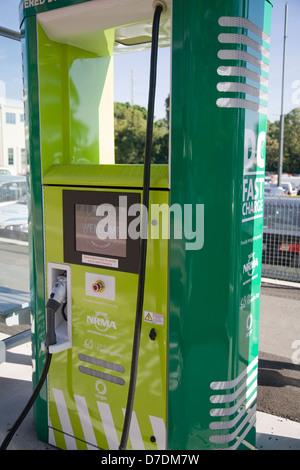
[135, 435]
[64, 419]
[85, 421]
[108, 425]
[159, 431]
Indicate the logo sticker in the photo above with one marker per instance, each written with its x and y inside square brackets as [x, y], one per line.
[101, 323]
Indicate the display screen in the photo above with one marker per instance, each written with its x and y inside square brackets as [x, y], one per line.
[97, 225]
[101, 229]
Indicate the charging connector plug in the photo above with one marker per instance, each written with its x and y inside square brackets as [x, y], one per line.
[59, 290]
[57, 297]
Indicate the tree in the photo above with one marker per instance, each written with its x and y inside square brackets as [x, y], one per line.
[272, 146]
[161, 137]
[130, 135]
[292, 142]
[160, 142]
[291, 151]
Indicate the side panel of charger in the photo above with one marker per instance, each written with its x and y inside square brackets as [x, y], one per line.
[221, 53]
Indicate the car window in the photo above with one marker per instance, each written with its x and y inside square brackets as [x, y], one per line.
[12, 191]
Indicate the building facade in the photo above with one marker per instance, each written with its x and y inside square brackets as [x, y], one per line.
[12, 137]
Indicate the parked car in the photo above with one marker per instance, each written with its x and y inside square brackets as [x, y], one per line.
[288, 187]
[14, 220]
[272, 189]
[281, 231]
[12, 188]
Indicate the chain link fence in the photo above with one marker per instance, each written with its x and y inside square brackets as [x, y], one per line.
[281, 238]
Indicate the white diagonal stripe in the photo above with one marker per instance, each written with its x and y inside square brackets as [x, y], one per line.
[234, 87]
[159, 431]
[108, 425]
[51, 438]
[222, 438]
[225, 385]
[242, 436]
[228, 54]
[240, 22]
[236, 394]
[243, 104]
[64, 419]
[230, 71]
[230, 411]
[227, 38]
[135, 435]
[85, 421]
[231, 423]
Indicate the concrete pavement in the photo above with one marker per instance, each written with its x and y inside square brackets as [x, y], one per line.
[275, 433]
[279, 350]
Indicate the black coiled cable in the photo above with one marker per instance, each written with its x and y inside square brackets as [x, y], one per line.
[144, 230]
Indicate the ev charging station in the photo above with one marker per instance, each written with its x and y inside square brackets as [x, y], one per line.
[196, 364]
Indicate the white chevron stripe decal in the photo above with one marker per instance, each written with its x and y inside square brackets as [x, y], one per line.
[109, 427]
[135, 435]
[110, 432]
[249, 53]
[85, 421]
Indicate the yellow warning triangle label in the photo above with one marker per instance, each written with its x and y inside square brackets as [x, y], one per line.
[148, 317]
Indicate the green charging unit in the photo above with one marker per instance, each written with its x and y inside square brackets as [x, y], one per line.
[197, 364]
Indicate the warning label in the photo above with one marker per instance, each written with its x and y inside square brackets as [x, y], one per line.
[155, 318]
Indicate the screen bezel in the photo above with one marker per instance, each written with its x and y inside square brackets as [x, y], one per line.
[71, 198]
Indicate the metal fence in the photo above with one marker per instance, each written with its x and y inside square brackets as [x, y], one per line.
[281, 238]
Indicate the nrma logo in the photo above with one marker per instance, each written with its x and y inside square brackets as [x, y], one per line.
[252, 264]
[101, 322]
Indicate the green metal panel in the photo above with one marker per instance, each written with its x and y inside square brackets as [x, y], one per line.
[128, 176]
[215, 292]
[71, 85]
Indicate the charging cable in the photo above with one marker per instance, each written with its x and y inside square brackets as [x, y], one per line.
[159, 8]
[57, 298]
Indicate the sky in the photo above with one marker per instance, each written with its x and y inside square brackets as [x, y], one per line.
[131, 70]
[292, 68]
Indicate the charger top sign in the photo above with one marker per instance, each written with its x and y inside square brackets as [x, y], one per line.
[35, 3]
[32, 7]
